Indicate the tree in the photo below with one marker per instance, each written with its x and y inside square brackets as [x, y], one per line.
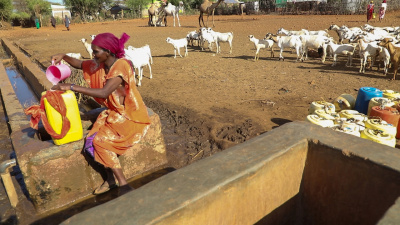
[6, 8]
[39, 7]
[87, 7]
[137, 5]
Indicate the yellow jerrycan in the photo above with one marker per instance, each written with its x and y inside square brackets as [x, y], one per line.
[75, 132]
[379, 137]
[316, 105]
[379, 124]
[344, 101]
[390, 94]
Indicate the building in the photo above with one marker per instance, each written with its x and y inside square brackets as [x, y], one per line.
[60, 11]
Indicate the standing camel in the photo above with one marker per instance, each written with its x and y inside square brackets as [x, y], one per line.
[168, 10]
[153, 15]
[208, 8]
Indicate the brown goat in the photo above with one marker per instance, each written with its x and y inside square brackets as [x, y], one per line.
[394, 54]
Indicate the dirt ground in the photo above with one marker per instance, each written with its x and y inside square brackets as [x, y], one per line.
[209, 102]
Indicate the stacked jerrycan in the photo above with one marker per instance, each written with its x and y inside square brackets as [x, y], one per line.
[373, 115]
[55, 74]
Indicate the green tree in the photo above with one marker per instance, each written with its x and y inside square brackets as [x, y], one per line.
[137, 5]
[87, 7]
[39, 7]
[6, 8]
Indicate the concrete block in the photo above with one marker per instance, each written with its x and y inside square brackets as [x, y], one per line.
[58, 175]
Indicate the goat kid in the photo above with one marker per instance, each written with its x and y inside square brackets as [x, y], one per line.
[283, 42]
[178, 43]
[259, 44]
[88, 47]
[139, 57]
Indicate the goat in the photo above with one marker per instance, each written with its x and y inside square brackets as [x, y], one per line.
[313, 41]
[92, 36]
[139, 57]
[222, 37]
[292, 32]
[394, 54]
[178, 43]
[384, 55]
[193, 36]
[88, 47]
[317, 32]
[72, 55]
[145, 49]
[286, 42]
[341, 49]
[366, 50]
[259, 44]
[206, 35]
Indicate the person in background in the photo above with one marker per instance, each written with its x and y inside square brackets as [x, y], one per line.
[370, 10]
[112, 84]
[67, 22]
[382, 10]
[53, 21]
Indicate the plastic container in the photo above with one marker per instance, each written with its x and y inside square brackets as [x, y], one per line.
[379, 124]
[75, 132]
[319, 121]
[57, 73]
[344, 101]
[316, 105]
[353, 114]
[388, 114]
[329, 116]
[390, 94]
[364, 96]
[346, 130]
[379, 137]
[379, 101]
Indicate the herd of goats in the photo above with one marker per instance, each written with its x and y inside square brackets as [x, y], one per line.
[373, 43]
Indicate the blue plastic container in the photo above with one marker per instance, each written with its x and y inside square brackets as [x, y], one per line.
[364, 95]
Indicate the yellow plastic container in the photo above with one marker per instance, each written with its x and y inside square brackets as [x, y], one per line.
[55, 119]
[379, 137]
[379, 124]
[353, 114]
[315, 119]
[390, 94]
[344, 101]
[379, 101]
[316, 105]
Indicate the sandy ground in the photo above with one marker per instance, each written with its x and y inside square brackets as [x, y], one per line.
[209, 102]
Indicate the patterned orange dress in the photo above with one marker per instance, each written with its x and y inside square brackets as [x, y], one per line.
[121, 126]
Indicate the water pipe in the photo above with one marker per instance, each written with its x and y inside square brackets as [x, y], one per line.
[7, 181]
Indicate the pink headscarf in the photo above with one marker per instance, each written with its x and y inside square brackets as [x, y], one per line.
[111, 42]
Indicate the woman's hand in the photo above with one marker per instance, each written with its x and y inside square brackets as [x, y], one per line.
[61, 87]
[57, 58]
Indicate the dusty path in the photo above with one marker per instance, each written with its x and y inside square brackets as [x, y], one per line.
[210, 101]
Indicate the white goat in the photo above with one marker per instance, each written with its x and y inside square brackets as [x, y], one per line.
[292, 32]
[88, 47]
[139, 57]
[259, 44]
[317, 32]
[366, 50]
[313, 41]
[193, 36]
[92, 36]
[73, 55]
[145, 49]
[286, 42]
[340, 32]
[384, 55]
[222, 37]
[341, 49]
[206, 36]
[178, 43]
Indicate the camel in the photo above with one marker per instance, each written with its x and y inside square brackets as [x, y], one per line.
[208, 8]
[152, 15]
[168, 10]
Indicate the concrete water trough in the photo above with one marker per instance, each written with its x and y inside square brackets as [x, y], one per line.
[299, 173]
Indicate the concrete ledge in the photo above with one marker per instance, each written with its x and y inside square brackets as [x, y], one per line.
[299, 173]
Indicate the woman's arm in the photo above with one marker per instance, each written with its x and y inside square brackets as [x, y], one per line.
[76, 63]
[104, 92]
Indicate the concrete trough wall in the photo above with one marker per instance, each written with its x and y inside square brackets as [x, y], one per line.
[299, 173]
[56, 176]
